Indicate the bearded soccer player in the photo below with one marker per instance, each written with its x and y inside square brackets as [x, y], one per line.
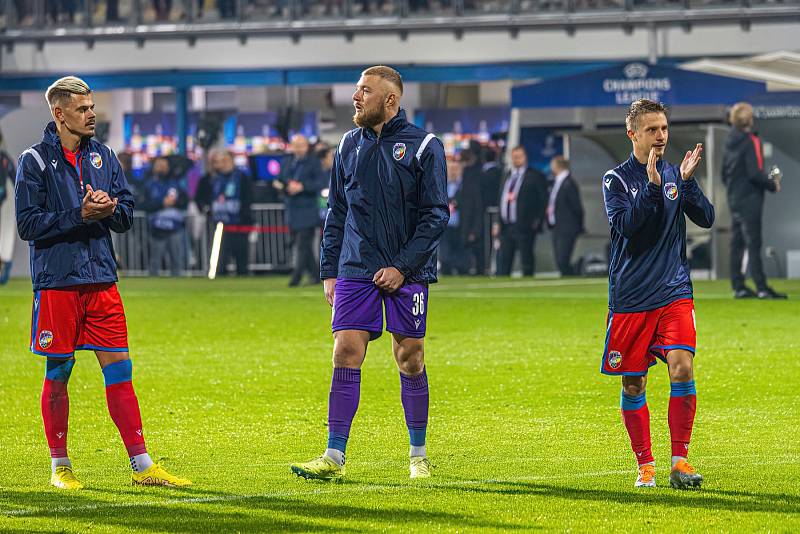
[70, 193]
[651, 310]
[387, 210]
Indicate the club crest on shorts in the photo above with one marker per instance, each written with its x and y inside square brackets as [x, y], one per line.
[614, 359]
[45, 339]
[671, 190]
[399, 151]
[96, 160]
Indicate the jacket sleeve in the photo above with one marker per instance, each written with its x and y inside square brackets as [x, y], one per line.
[754, 167]
[333, 231]
[695, 204]
[433, 211]
[34, 221]
[626, 216]
[122, 218]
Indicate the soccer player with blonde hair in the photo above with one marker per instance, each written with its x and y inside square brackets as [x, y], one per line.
[71, 193]
[651, 308]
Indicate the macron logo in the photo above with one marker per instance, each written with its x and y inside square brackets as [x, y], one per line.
[608, 181]
[54, 163]
[634, 191]
[417, 322]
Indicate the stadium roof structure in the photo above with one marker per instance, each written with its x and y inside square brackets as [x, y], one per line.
[621, 84]
[779, 70]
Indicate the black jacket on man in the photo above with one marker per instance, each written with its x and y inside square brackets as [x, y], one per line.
[568, 209]
[568, 212]
[532, 200]
[303, 209]
[520, 235]
[743, 175]
[470, 202]
[743, 171]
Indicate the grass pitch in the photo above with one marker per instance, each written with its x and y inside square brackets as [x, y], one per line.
[233, 377]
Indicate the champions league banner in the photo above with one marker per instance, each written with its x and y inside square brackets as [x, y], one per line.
[622, 84]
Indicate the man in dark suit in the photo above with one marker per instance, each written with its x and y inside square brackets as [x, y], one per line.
[302, 182]
[523, 198]
[471, 204]
[564, 214]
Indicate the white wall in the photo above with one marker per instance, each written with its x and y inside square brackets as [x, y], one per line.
[420, 48]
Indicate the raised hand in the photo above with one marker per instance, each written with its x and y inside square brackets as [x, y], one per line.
[652, 171]
[691, 160]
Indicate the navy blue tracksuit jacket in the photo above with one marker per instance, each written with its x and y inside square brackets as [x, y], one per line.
[648, 266]
[387, 205]
[65, 251]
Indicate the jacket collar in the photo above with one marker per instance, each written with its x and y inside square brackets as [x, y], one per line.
[395, 124]
[52, 138]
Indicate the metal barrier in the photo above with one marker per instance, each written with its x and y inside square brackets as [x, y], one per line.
[268, 239]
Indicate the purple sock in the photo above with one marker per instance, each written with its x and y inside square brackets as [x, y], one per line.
[414, 394]
[342, 405]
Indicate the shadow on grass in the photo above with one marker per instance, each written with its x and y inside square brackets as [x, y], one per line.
[187, 512]
[711, 499]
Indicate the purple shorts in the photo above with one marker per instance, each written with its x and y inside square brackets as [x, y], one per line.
[357, 306]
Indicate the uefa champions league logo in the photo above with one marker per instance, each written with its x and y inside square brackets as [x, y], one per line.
[635, 70]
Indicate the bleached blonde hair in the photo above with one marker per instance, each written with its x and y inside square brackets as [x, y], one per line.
[63, 89]
[741, 115]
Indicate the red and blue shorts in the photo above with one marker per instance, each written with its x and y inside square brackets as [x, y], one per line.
[84, 317]
[635, 340]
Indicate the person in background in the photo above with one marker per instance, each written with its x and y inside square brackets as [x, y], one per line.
[232, 194]
[204, 194]
[472, 209]
[492, 177]
[302, 181]
[452, 244]
[523, 198]
[166, 200]
[564, 214]
[325, 156]
[743, 175]
[7, 237]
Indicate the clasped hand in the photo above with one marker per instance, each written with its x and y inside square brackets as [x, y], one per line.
[97, 205]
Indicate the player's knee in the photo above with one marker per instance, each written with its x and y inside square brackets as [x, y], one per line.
[681, 371]
[410, 360]
[59, 370]
[347, 355]
[633, 385]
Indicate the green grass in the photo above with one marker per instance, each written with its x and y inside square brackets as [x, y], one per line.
[233, 378]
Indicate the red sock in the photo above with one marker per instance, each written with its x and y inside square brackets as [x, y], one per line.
[636, 417]
[682, 407]
[124, 409]
[55, 413]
